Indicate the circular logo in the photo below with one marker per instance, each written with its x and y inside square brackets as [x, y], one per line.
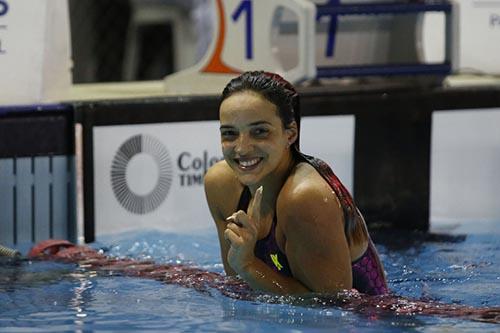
[141, 174]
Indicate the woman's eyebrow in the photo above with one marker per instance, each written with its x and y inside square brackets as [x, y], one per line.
[260, 122]
[255, 123]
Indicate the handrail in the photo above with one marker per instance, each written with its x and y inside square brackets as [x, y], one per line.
[383, 8]
[385, 70]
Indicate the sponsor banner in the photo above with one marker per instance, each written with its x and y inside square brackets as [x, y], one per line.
[151, 176]
[465, 168]
[35, 61]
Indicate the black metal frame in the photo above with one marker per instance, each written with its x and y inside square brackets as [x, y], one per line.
[392, 139]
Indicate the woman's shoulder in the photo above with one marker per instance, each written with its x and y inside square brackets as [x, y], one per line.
[304, 186]
[220, 176]
[306, 199]
[218, 170]
[219, 181]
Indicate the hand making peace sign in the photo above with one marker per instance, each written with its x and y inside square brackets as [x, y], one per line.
[242, 232]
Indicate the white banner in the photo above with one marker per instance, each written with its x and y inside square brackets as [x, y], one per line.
[35, 61]
[465, 169]
[178, 153]
[151, 176]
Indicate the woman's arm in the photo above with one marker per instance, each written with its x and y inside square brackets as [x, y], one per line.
[241, 234]
[311, 220]
[216, 184]
[316, 246]
[257, 274]
[261, 277]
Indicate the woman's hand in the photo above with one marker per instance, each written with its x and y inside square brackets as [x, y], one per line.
[242, 232]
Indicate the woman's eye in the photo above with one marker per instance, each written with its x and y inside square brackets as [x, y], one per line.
[260, 131]
[228, 134]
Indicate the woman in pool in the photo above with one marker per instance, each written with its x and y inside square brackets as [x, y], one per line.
[286, 224]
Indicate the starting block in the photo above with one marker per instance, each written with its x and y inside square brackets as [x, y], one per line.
[302, 40]
[243, 42]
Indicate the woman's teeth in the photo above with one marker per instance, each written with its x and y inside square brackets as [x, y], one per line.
[249, 163]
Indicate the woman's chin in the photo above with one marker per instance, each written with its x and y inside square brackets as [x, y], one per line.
[248, 179]
[248, 176]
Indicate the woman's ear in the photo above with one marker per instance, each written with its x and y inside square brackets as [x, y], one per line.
[292, 132]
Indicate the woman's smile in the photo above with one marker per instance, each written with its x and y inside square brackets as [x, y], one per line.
[248, 164]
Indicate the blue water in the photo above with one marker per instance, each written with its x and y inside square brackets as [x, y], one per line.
[55, 297]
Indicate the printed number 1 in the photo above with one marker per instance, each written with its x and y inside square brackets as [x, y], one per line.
[246, 6]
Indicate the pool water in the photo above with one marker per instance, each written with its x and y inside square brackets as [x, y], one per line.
[54, 297]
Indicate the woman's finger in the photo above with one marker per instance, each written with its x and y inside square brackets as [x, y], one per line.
[232, 237]
[234, 227]
[234, 218]
[254, 208]
[241, 219]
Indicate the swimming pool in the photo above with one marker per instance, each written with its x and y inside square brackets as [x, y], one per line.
[457, 267]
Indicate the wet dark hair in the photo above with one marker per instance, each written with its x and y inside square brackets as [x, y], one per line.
[275, 89]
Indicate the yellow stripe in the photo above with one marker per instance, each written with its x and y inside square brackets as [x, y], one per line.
[274, 258]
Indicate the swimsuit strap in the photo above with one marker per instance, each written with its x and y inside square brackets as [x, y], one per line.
[244, 199]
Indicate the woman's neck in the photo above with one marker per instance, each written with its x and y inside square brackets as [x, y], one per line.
[273, 183]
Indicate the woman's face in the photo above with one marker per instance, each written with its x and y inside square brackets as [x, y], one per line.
[254, 141]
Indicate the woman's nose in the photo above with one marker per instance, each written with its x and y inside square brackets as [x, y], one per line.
[243, 145]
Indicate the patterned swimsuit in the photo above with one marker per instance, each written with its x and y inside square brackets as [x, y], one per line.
[367, 272]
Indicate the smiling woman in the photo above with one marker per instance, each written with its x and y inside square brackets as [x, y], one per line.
[254, 141]
[285, 222]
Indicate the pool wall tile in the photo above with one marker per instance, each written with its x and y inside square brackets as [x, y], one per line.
[7, 181]
[36, 199]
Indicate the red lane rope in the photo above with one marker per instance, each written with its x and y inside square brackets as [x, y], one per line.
[204, 281]
[187, 276]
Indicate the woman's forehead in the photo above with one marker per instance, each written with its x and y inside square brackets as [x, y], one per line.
[247, 106]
